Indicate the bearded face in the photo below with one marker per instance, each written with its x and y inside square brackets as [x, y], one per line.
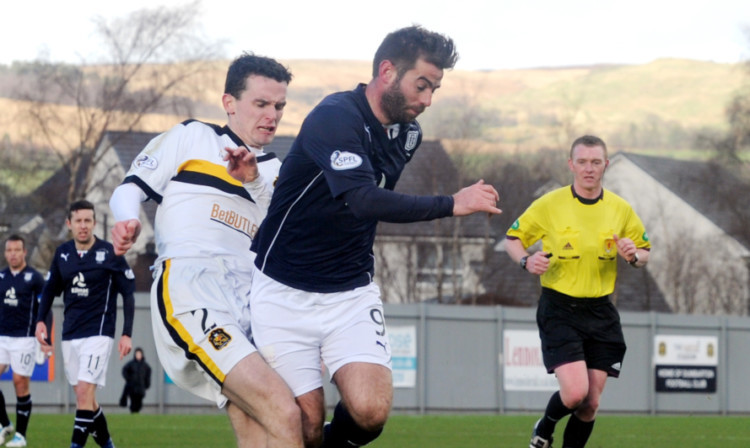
[396, 107]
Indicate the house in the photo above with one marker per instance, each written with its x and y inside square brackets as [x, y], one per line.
[697, 215]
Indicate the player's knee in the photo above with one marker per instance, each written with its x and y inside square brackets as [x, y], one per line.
[288, 422]
[370, 415]
[21, 384]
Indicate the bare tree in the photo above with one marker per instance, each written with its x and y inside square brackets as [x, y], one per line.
[728, 146]
[152, 56]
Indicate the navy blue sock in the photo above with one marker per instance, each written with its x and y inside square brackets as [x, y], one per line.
[23, 413]
[81, 425]
[343, 432]
[4, 420]
[99, 429]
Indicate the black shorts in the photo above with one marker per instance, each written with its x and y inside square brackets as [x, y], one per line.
[574, 329]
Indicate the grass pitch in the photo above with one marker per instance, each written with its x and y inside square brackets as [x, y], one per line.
[443, 431]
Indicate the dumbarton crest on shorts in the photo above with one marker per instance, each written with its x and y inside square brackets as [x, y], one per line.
[197, 348]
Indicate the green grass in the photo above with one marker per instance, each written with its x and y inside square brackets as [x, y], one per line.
[442, 431]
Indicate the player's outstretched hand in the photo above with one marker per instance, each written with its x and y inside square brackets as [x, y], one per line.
[124, 235]
[242, 165]
[479, 197]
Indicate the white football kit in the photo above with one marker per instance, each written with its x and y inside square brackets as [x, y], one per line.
[204, 228]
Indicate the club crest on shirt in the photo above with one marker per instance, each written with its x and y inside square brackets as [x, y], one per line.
[145, 161]
[345, 160]
[609, 245]
[101, 255]
[219, 338]
[412, 137]
[27, 277]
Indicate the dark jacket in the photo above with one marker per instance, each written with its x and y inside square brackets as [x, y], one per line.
[137, 376]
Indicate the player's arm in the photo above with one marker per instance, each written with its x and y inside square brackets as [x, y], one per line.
[125, 204]
[52, 288]
[371, 202]
[125, 285]
[37, 289]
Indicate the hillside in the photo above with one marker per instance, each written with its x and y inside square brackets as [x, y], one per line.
[651, 106]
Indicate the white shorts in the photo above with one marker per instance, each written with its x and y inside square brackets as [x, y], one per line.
[295, 329]
[198, 347]
[19, 353]
[86, 359]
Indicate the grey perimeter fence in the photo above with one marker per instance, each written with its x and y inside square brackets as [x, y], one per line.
[462, 359]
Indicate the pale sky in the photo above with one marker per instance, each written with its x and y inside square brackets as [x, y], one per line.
[489, 34]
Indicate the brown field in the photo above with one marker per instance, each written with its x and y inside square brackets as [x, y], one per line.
[534, 108]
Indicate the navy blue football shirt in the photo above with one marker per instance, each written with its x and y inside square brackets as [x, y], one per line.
[20, 295]
[89, 286]
[333, 187]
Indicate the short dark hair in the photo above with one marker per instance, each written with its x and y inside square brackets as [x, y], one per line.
[249, 64]
[17, 237]
[405, 46]
[81, 205]
[588, 140]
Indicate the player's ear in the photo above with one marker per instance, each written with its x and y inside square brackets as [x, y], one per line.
[228, 101]
[387, 72]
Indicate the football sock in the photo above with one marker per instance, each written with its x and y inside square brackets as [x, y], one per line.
[4, 420]
[84, 419]
[99, 429]
[555, 411]
[343, 432]
[23, 413]
[577, 432]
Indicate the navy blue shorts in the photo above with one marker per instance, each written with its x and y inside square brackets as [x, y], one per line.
[580, 329]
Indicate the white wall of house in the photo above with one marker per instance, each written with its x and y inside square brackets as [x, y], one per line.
[699, 267]
[405, 275]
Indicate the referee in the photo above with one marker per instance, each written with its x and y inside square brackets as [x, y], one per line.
[583, 228]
